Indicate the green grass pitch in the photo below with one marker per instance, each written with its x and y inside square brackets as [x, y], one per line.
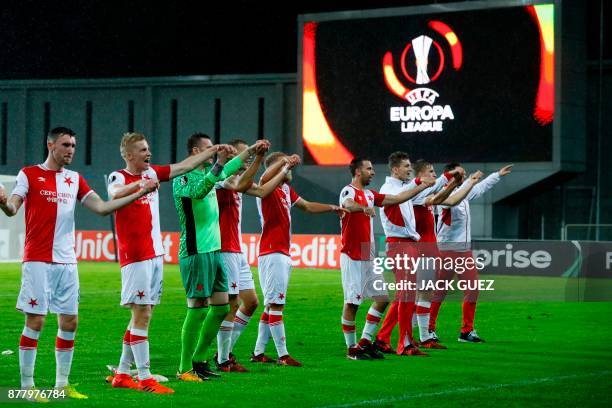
[540, 350]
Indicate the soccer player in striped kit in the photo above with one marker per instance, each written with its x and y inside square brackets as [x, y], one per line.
[454, 237]
[274, 259]
[141, 252]
[356, 266]
[50, 279]
[404, 225]
[242, 296]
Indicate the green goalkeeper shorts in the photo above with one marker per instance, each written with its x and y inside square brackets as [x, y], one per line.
[203, 274]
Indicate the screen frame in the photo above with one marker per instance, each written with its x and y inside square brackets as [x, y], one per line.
[546, 166]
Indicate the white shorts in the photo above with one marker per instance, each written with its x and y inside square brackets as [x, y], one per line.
[49, 287]
[274, 272]
[359, 282]
[425, 275]
[142, 282]
[239, 275]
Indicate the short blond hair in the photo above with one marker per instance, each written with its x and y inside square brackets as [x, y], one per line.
[273, 158]
[128, 139]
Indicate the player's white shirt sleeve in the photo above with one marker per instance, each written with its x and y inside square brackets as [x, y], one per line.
[420, 198]
[484, 186]
[384, 189]
[412, 184]
[21, 185]
[440, 183]
[116, 181]
[346, 193]
[463, 185]
[294, 198]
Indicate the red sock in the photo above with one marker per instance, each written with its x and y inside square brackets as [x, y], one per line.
[384, 334]
[26, 343]
[404, 315]
[434, 309]
[469, 310]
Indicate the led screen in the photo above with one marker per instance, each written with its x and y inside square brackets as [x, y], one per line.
[467, 86]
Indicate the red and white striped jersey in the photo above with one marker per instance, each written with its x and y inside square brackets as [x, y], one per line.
[424, 216]
[454, 223]
[49, 198]
[230, 218]
[357, 227]
[137, 224]
[398, 220]
[425, 223]
[275, 216]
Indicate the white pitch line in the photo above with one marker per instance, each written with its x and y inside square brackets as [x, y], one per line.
[407, 397]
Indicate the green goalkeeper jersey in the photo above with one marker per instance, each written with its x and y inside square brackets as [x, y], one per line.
[195, 200]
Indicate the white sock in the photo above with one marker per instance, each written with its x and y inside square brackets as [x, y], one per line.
[27, 356]
[348, 328]
[414, 320]
[240, 322]
[140, 348]
[64, 349]
[277, 329]
[127, 356]
[224, 338]
[263, 334]
[372, 319]
[407, 341]
[422, 314]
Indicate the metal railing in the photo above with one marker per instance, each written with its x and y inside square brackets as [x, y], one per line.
[589, 228]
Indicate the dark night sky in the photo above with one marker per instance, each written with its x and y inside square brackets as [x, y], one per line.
[68, 39]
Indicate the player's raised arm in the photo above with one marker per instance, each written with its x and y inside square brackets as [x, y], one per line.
[463, 192]
[94, 203]
[441, 196]
[243, 182]
[275, 167]
[442, 181]
[192, 186]
[504, 171]
[312, 207]
[488, 183]
[422, 184]
[11, 205]
[264, 190]
[193, 161]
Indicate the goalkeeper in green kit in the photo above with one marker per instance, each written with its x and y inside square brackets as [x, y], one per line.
[202, 270]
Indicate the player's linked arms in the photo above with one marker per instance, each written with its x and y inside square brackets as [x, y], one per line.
[262, 148]
[369, 211]
[263, 190]
[283, 165]
[120, 191]
[351, 206]
[339, 210]
[9, 206]
[427, 181]
[148, 186]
